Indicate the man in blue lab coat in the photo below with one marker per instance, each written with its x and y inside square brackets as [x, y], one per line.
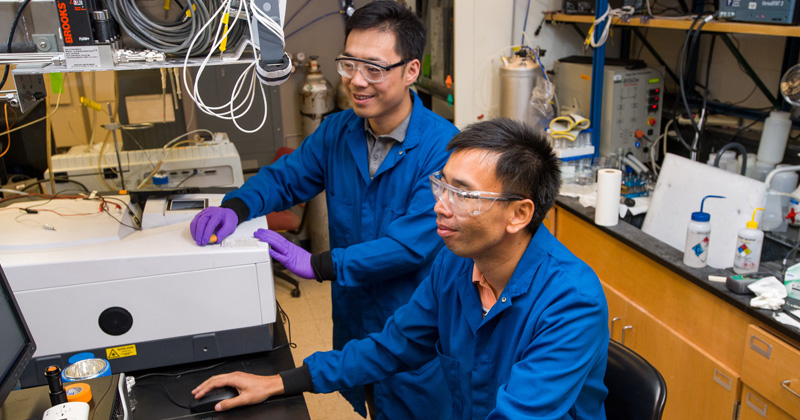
[373, 162]
[518, 322]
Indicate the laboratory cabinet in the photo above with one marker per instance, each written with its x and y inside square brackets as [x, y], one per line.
[694, 337]
[755, 407]
[698, 385]
[772, 368]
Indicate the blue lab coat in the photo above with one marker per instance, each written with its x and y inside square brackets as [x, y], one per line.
[382, 233]
[539, 353]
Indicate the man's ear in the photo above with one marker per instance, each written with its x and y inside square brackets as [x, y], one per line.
[520, 215]
[412, 72]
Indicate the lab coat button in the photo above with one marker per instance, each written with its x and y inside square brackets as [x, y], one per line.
[504, 300]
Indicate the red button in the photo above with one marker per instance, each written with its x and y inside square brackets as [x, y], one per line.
[651, 121]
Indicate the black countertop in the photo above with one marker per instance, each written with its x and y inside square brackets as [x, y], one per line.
[672, 259]
[157, 395]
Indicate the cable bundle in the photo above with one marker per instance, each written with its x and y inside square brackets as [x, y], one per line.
[183, 36]
[232, 110]
[264, 19]
[610, 13]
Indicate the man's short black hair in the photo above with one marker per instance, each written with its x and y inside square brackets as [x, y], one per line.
[526, 164]
[390, 16]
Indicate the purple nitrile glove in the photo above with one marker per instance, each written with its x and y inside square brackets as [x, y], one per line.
[221, 220]
[293, 257]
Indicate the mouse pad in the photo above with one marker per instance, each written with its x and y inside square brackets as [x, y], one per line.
[154, 403]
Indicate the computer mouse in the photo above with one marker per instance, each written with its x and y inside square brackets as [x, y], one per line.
[208, 401]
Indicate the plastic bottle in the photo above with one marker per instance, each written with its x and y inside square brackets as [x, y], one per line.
[748, 247]
[772, 146]
[698, 235]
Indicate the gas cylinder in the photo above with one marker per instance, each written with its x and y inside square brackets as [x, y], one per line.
[517, 78]
[343, 98]
[316, 98]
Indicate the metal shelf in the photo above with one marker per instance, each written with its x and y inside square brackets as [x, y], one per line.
[683, 24]
[241, 55]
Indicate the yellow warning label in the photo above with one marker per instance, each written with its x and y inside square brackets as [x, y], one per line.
[586, 77]
[123, 351]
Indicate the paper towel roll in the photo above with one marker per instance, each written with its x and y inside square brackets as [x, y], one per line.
[609, 182]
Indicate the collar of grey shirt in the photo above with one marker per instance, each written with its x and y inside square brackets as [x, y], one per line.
[378, 147]
[398, 134]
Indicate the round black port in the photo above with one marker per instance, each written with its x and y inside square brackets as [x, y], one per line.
[115, 321]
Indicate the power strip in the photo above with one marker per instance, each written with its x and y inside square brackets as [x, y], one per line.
[718, 120]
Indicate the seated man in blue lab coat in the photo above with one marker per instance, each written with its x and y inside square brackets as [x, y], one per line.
[373, 162]
[518, 322]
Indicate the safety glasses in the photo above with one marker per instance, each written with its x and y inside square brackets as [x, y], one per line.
[466, 203]
[372, 72]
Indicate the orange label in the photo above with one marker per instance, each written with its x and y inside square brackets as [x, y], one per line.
[586, 77]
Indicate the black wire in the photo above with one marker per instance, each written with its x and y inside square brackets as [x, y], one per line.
[52, 197]
[60, 180]
[97, 402]
[184, 179]
[741, 129]
[708, 74]
[11, 37]
[681, 70]
[130, 210]
[681, 77]
[285, 317]
[105, 209]
[179, 374]
[539, 28]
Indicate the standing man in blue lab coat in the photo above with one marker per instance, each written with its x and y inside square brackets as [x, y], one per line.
[373, 162]
[518, 322]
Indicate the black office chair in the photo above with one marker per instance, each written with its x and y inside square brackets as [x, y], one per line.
[636, 390]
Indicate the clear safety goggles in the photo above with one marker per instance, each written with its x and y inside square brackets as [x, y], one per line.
[466, 203]
[372, 72]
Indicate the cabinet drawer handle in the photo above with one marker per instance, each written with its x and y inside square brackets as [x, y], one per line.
[765, 351]
[750, 403]
[627, 327]
[785, 385]
[759, 349]
[722, 379]
[614, 321]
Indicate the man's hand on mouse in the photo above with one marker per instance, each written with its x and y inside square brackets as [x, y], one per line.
[253, 389]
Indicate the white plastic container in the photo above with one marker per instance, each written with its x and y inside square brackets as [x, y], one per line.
[698, 234]
[748, 247]
[774, 137]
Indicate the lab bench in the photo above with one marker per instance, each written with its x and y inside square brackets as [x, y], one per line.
[158, 396]
[717, 354]
[152, 401]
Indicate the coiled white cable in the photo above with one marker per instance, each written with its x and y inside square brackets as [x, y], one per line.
[263, 18]
[609, 14]
[232, 110]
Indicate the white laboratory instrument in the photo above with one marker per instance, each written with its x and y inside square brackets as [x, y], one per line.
[212, 164]
[138, 298]
[632, 101]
